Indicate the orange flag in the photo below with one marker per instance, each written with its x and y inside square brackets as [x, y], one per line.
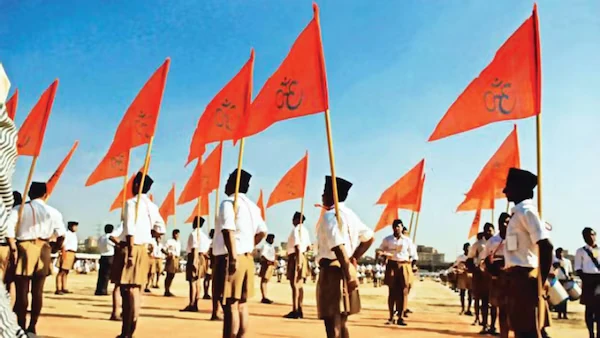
[118, 202]
[31, 133]
[389, 215]
[111, 166]
[56, 176]
[205, 177]
[297, 88]
[292, 185]
[508, 88]
[139, 123]
[151, 197]
[404, 186]
[475, 225]
[224, 115]
[167, 208]
[261, 205]
[492, 178]
[11, 105]
[204, 205]
[411, 200]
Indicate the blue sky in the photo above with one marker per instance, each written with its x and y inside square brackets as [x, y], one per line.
[393, 67]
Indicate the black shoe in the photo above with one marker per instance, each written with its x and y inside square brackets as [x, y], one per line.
[468, 313]
[492, 332]
[266, 301]
[146, 290]
[400, 322]
[390, 321]
[215, 318]
[300, 313]
[484, 331]
[206, 297]
[168, 294]
[58, 292]
[188, 308]
[405, 314]
[292, 315]
[408, 311]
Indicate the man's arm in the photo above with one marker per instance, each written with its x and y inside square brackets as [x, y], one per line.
[545, 250]
[228, 231]
[361, 249]
[340, 254]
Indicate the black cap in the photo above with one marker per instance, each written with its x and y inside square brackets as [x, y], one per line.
[343, 186]
[72, 223]
[148, 181]
[521, 179]
[196, 219]
[37, 190]
[297, 216]
[397, 222]
[244, 177]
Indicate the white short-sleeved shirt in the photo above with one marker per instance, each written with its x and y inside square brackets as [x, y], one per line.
[268, 252]
[70, 243]
[401, 249]
[524, 230]
[295, 237]
[565, 264]
[460, 259]
[245, 224]
[106, 246]
[583, 261]
[149, 219]
[354, 231]
[173, 247]
[157, 248]
[475, 251]
[494, 246]
[39, 221]
[201, 246]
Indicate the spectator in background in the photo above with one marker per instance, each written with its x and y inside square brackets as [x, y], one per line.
[107, 252]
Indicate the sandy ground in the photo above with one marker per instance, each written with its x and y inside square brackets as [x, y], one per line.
[435, 307]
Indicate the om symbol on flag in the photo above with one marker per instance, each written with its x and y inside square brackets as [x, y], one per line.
[141, 125]
[497, 100]
[117, 162]
[222, 115]
[286, 96]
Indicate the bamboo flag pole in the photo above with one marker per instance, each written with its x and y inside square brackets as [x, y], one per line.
[198, 212]
[174, 210]
[217, 194]
[302, 200]
[412, 214]
[26, 191]
[144, 173]
[416, 226]
[124, 201]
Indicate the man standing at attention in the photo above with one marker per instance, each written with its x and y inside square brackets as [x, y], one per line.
[526, 236]
[267, 266]
[243, 228]
[297, 268]
[209, 266]
[33, 264]
[172, 250]
[107, 252]
[463, 280]
[196, 262]
[66, 260]
[563, 272]
[135, 238]
[339, 251]
[588, 269]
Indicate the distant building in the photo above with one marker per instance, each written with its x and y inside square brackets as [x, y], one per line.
[89, 244]
[430, 259]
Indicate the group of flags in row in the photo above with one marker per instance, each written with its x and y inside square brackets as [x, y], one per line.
[508, 88]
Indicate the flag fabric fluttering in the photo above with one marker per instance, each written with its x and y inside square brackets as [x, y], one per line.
[407, 185]
[61, 167]
[31, 133]
[475, 225]
[388, 216]
[111, 166]
[204, 206]
[118, 202]
[167, 208]
[492, 178]
[224, 115]
[297, 88]
[205, 178]
[292, 184]
[139, 123]
[508, 88]
[261, 205]
[11, 105]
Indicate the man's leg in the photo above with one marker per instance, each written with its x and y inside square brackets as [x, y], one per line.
[470, 300]
[22, 300]
[477, 319]
[344, 327]
[494, 315]
[333, 326]
[263, 288]
[168, 282]
[59, 282]
[127, 310]
[116, 303]
[301, 300]
[37, 299]
[244, 319]
[100, 280]
[391, 303]
[64, 285]
[484, 312]
[402, 298]
[462, 301]
[136, 299]
[503, 319]
[206, 286]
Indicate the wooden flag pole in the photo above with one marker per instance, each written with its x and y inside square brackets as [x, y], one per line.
[493, 215]
[26, 192]
[238, 174]
[412, 214]
[174, 210]
[198, 212]
[507, 206]
[217, 194]
[124, 201]
[144, 173]
[416, 226]
[302, 201]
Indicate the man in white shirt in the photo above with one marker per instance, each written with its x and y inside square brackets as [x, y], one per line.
[563, 271]
[197, 260]
[463, 280]
[473, 265]
[173, 251]
[587, 268]
[242, 230]
[481, 279]
[135, 238]
[339, 250]
[209, 266]
[115, 271]
[267, 265]
[107, 252]
[400, 253]
[33, 264]
[526, 236]
[155, 261]
[297, 268]
[66, 260]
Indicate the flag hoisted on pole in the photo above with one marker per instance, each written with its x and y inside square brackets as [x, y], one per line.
[61, 167]
[11, 105]
[125, 194]
[261, 205]
[200, 209]
[475, 225]
[111, 166]
[388, 216]
[167, 208]
[408, 185]
[205, 178]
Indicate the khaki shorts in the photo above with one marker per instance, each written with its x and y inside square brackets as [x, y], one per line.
[397, 275]
[200, 265]
[522, 299]
[151, 265]
[219, 275]
[66, 261]
[172, 265]
[329, 292]
[240, 285]
[116, 268]
[498, 289]
[291, 267]
[34, 259]
[464, 281]
[137, 273]
[266, 270]
[4, 259]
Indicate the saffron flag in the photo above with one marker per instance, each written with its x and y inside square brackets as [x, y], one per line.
[508, 88]
[492, 178]
[205, 177]
[389, 215]
[475, 225]
[11, 105]
[118, 202]
[204, 205]
[420, 200]
[297, 88]
[261, 205]
[224, 115]
[411, 200]
[31, 133]
[167, 208]
[111, 166]
[139, 123]
[405, 185]
[151, 197]
[61, 167]
[292, 184]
